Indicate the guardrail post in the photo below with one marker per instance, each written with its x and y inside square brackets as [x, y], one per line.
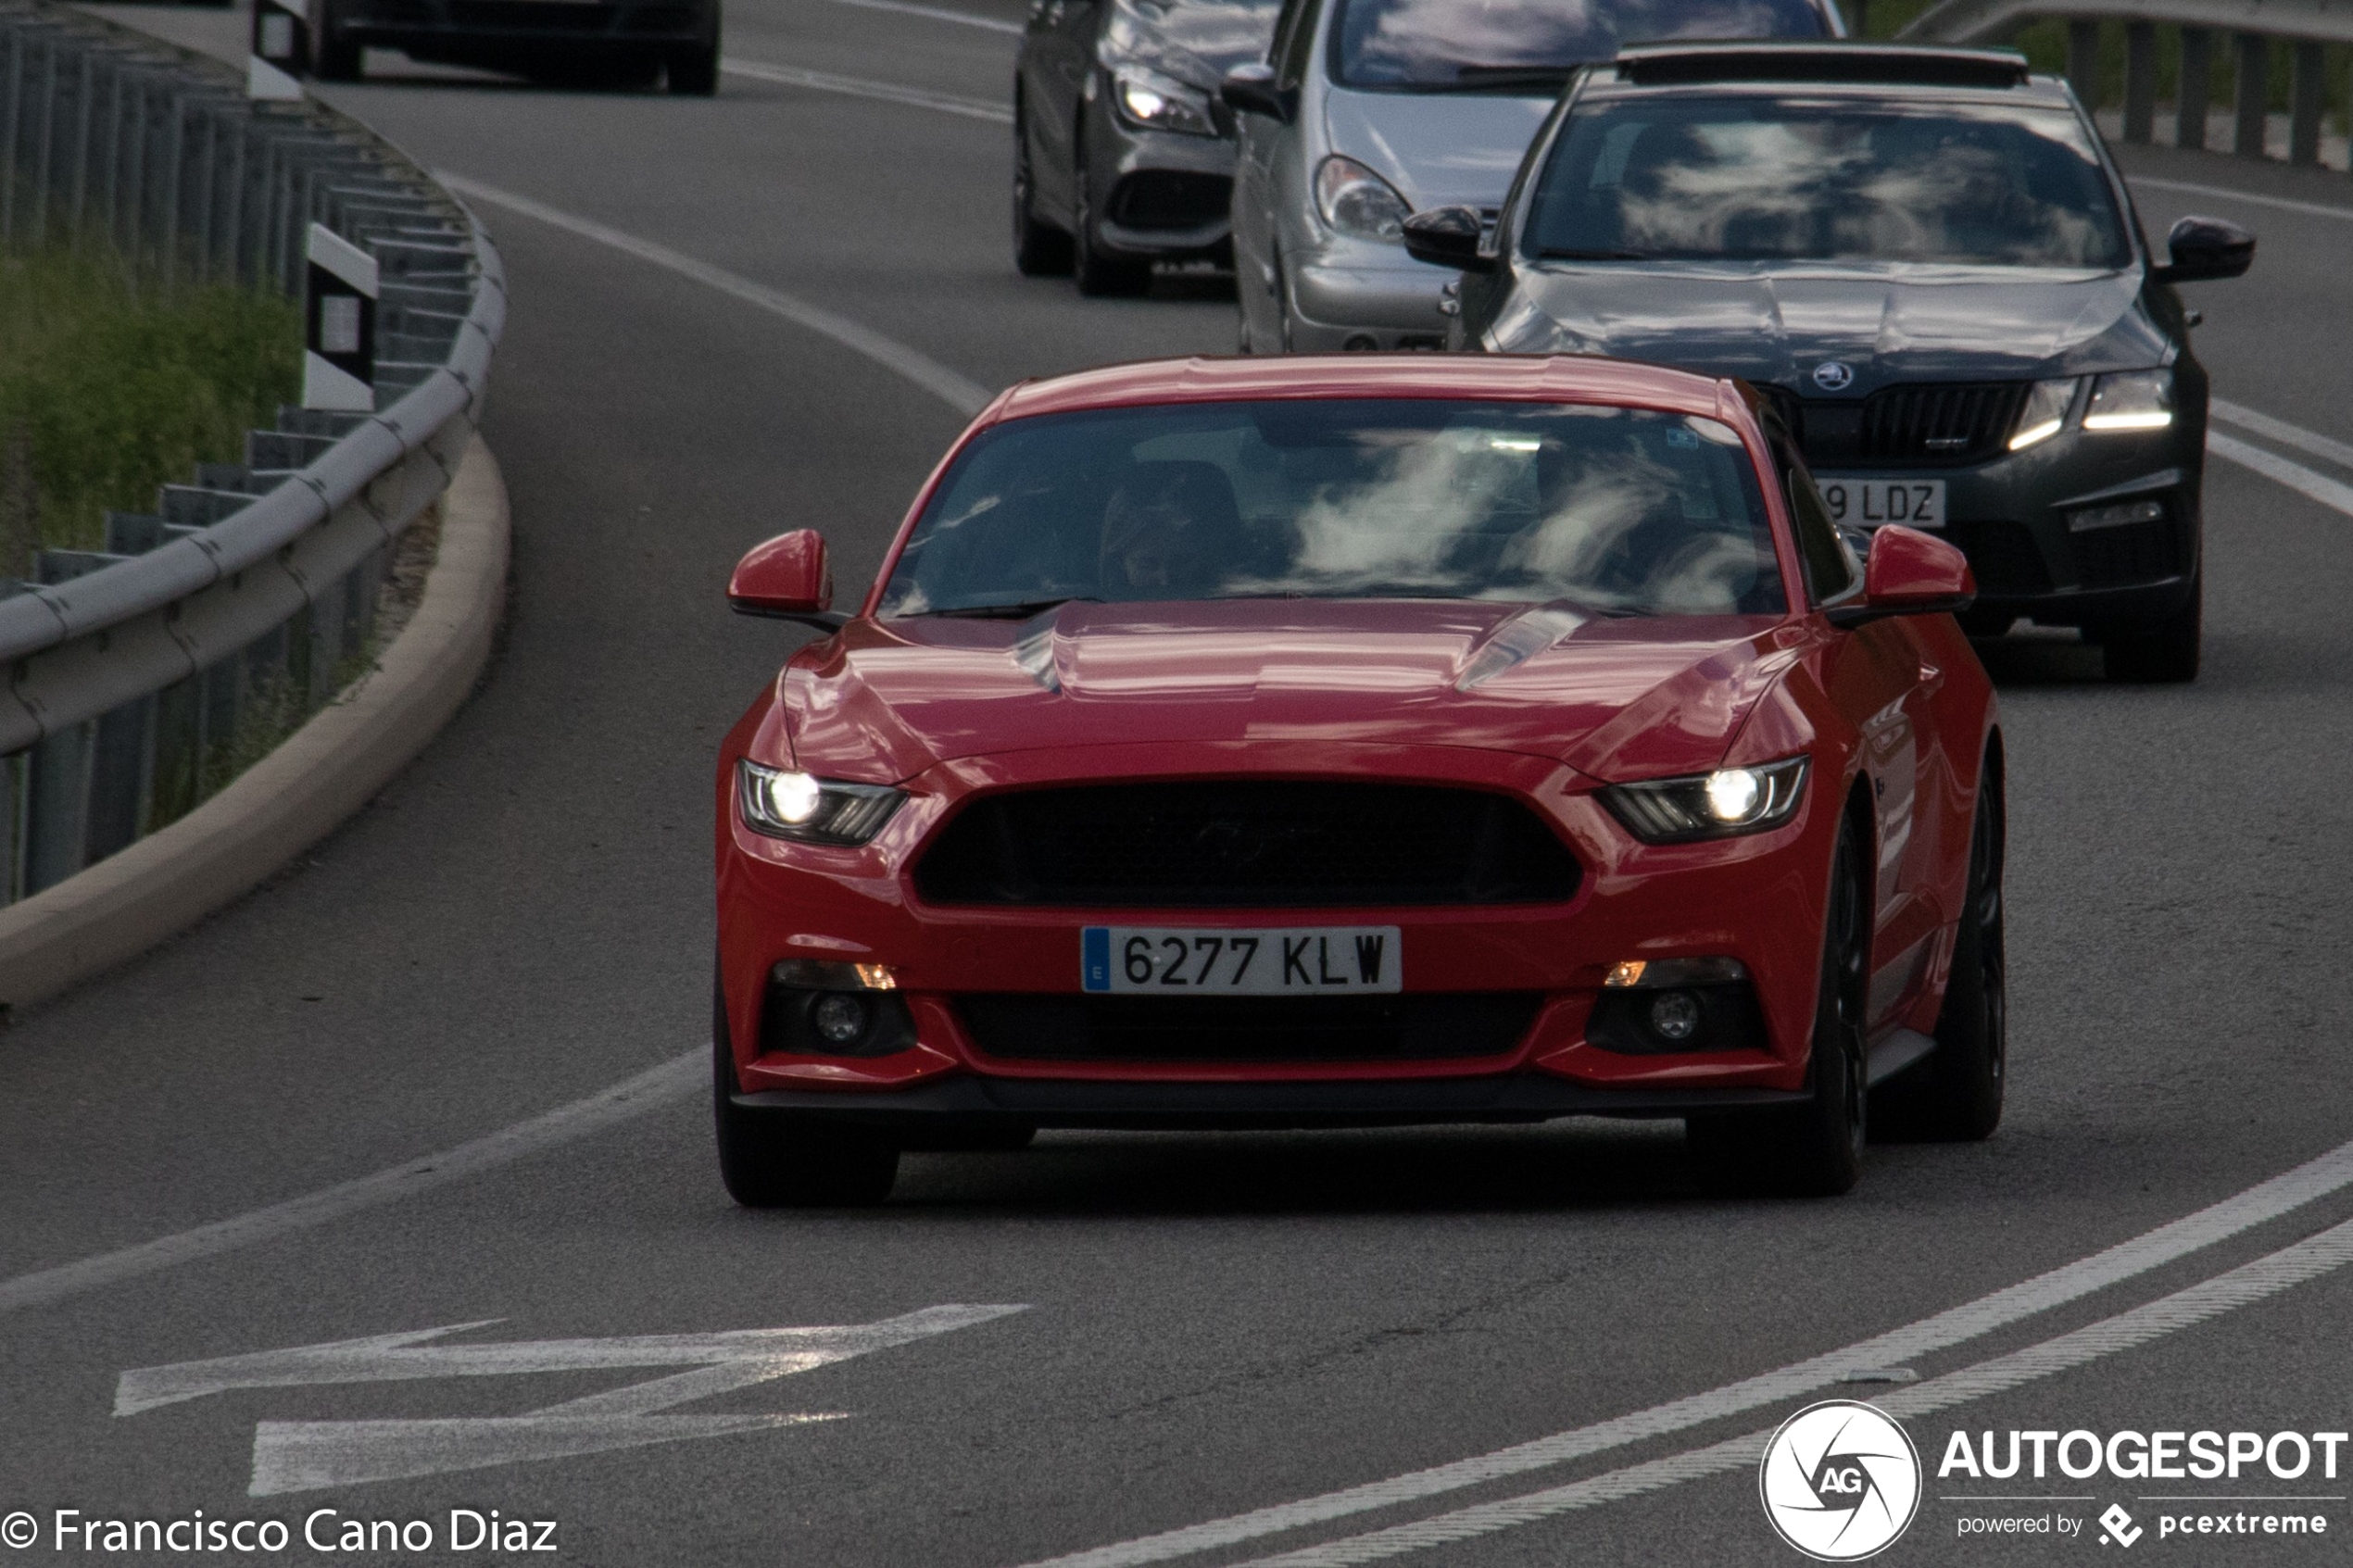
[9, 137]
[58, 806]
[2254, 99]
[2195, 95]
[46, 144]
[84, 92]
[2308, 93]
[2140, 83]
[2083, 59]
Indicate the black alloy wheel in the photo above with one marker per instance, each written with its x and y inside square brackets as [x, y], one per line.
[2161, 652]
[1814, 1150]
[774, 1160]
[1955, 1095]
[1101, 273]
[1040, 250]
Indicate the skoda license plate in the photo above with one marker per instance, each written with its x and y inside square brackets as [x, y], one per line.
[1867, 503]
[1320, 960]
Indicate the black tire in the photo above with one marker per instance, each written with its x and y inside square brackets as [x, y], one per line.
[1040, 250]
[2162, 652]
[1814, 1150]
[334, 58]
[1955, 1095]
[769, 1160]
[694, 71]
[1100, 275]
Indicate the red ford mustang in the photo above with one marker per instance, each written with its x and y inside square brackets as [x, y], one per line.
[1326, 741]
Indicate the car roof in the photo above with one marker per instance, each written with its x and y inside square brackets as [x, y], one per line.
[1560, 377]
[2000, 74]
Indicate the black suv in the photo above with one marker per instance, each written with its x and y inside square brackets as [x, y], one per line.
[1926, 260]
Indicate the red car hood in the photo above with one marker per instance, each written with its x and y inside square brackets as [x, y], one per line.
[1629, 697]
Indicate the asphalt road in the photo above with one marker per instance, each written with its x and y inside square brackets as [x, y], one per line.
[1212, 1325]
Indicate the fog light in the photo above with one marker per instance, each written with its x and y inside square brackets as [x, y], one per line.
[1361, 343]
[2115, 517]
[839, 1018]
[1675, 1015]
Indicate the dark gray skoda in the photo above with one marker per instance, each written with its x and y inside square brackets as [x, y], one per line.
[1926, 261]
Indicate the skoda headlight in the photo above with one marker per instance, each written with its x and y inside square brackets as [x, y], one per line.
[1723, 804]
[1356, 201]
[814, 810]
[2045, 412]
[2134, 400]
[1148, 99]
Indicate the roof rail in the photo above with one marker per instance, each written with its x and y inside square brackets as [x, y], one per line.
[1659, 64]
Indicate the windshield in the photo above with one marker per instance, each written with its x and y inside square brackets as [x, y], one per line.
[1768, 178]
[1612, 509]
[1453, 43]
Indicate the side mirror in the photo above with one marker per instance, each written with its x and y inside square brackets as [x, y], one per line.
[788, 579]
[2203, 249]
[1252, 89]
[1449, 236]
[1908, 573]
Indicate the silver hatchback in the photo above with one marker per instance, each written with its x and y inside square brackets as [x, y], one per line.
[1366, 111]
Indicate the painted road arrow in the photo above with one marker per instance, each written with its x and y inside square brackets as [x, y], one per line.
[295, 1455]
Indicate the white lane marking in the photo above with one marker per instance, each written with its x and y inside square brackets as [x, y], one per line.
[656, 1087]
[2315, 209]
[934, 13]
[2258, 1205]
[2266, 1276]
[860, 87]
[967, 397]
[299, 1456]
[2296, 476]
[2286, 434]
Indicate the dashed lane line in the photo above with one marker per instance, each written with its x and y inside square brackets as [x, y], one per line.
[937, 14]
[2286, 434]
[2209, 1298]
[632, 1097]
[862, 87]
[2296, 476]
[2258, 1205]
[2284, 204]
[966, 396]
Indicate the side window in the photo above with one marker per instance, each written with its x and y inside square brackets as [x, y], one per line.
[1831, 571]
[1295, 44]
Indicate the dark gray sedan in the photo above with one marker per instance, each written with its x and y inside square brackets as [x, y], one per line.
[1124, 154]
[1927, 260]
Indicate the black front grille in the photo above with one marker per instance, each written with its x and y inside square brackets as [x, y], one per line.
[2004, 557]
[1160, 198]
[1248, 1029]
[1271, 844]
[1922, 426]
[2119, 557]
[530, 16]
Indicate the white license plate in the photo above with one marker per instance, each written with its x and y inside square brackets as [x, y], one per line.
[1318, 961]
[1867, 503]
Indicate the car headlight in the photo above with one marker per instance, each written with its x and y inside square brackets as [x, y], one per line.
[2133, 400]
[1723, 804]
[1153, 101]
[2045, 412]
[1356, 201]
[814, 810]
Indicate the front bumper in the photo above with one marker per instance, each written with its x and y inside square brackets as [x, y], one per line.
[1359, 294]
[461, 31]
[2020, 520]
[1756, 899]
[1165, 196]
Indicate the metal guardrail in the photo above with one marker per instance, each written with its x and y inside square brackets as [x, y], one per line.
[132, 671]
[2306, 26]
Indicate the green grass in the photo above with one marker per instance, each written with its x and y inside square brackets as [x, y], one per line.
[109, 387]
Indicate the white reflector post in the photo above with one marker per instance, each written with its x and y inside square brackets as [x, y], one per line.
[339, 314]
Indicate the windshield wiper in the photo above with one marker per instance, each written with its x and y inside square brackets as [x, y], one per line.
[1502, 79]
[1021, 610]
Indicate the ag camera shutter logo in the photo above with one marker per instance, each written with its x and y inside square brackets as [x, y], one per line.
[1840, 1481]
